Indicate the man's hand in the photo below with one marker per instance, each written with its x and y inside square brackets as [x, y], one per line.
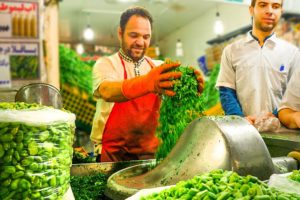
[200, 79]
[290, 118]
[297, 119]
[159, 80]
[251, 119]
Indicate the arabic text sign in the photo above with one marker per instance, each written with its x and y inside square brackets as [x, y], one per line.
[20, 18]
[5, 77]
[19, 49]
[11, 7]
[5, 25]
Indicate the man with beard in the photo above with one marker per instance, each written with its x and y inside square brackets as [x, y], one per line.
[255, 70]
[128, 85]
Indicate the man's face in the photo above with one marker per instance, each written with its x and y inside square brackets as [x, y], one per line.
[136, 37]
[266, 14]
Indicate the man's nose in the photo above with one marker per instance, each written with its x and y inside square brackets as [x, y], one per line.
[269, 9]
[139, 41]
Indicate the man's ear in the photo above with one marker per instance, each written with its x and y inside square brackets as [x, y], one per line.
[120, 33]
[251, 11]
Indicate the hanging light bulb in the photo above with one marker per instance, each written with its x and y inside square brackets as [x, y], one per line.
[179, 49]
[218, 27]
[80, 48]
[88, 33]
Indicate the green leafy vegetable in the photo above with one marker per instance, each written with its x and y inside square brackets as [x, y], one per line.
[73, 71]
[89, 187]
[178, 111]
[210, 94]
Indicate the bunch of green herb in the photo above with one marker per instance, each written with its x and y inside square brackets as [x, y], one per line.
[178, 111]
[89, 187]
[74, 71]
[210, 94]
[80, 158]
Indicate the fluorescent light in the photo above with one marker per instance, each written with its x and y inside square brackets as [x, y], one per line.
[79, 48]
[88, 33]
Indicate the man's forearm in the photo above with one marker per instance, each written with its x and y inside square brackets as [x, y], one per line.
[111, 91]
[230, 102]
[289, 118]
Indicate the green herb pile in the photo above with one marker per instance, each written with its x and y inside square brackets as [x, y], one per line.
[222, 185]
[80, 158]
[178, 111]
[73, 71]
[210, 94]
[89, 187]
[295, 176]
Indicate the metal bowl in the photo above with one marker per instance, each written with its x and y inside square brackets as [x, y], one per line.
[208, 143]
[40, 93]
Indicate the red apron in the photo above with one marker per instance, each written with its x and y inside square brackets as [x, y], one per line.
[129, 132]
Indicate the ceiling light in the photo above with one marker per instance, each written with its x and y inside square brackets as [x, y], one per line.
[80, 48]
[179, 49]
[218, 27]
[88, 33]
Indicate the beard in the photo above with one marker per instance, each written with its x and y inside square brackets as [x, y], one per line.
[133, 55]
[265, 27]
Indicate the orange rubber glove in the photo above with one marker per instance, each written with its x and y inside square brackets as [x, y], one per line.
[199, 79]
[158, 80]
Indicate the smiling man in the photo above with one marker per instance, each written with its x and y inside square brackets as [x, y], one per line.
[255, 70]
[127, 85]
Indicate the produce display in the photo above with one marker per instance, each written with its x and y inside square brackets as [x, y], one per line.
[210, 94]
[74, 71]
[89, 187]
[295, 176]
[76, 83]
[178, 111]
[35, 151]
[222, 185]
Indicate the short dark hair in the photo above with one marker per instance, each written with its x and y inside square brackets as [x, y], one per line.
[254, 1]
[136, 10]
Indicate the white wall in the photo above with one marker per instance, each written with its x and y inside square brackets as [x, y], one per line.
[195, 34]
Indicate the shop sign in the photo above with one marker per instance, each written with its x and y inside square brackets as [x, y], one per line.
[5, 77]
[21, 60]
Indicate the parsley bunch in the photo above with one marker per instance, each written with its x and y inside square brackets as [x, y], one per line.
[178, 111]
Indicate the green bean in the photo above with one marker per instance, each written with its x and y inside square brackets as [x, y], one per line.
[222, 185]
[34, 158]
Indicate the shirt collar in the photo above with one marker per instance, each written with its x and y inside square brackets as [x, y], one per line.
[128, 59]
[251, 37]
